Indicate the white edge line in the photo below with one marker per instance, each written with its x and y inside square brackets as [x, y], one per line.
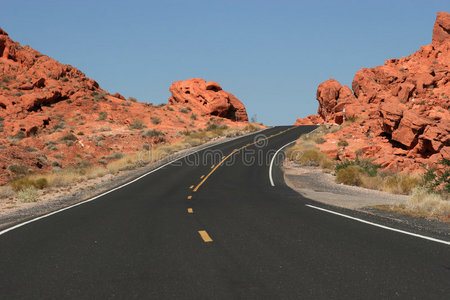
[112, 190]
[276, 153]
[381, 226]
[273, 159]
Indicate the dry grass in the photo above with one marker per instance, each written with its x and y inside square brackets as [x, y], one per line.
[426, 203]
[6, 192]
[306, 153]
[423, 204]
[29, 194]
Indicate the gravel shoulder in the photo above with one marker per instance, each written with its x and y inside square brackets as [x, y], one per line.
[316, 185]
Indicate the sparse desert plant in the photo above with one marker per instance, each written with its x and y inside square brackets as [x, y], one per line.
[137, 124]
[438, 178]
[309, 155]
[68, 137]
[18, 169]
[342, 143]
[153, 132]
[350, 175]
[20, 135]
[116, 155]
[155, 120]
[400, 183]
[104, 129]
[26, 182]
[132, 99]
[30, 149]
[102, 116]
[427, 203]
[29, 194]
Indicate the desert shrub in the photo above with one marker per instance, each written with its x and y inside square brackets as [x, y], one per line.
[366, 166]
[116, 155]
[153, 132]
[20, 135]
[137, 124]
[64, 79]
[61, 125]
[41, 183]
[342, 143]
[309, 156]
[422, 201]
[184, 110]
[30, 149]
[170, 108]
[29, 194]
[155, 120]
[400, 183]
[438, 178]
[18, 169]
[102, 116]
[194, 116]
[24, 183]
[132, 99]
[104, 129]
[350, 175]
[68, 137]
[146, 146]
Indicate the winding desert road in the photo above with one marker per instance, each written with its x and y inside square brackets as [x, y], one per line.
[217, 229]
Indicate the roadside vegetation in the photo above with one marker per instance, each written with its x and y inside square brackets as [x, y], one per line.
[27, 187]
[428, 193]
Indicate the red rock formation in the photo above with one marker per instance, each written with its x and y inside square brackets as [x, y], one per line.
[400, 110]
[52, 115]
[207, 98]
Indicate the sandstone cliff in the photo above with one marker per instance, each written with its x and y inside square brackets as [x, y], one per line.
[397, 113]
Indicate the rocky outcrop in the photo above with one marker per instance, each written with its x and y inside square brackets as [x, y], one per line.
[207, 98]
[53, 116]
[397, 113]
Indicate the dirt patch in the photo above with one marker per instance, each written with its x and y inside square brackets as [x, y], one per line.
[312, 183]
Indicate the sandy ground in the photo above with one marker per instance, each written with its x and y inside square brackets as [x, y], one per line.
[312, 183]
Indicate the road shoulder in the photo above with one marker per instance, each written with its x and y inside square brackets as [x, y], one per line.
[313, 184]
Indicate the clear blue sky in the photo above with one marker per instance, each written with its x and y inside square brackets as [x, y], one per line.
[270, 54]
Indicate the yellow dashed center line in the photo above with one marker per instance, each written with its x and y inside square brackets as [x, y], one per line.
[189, 197]
[191, 187]
[205, 236]
[214, 168]
[190, 211]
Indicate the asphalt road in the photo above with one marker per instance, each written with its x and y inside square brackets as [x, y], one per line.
[143, 241]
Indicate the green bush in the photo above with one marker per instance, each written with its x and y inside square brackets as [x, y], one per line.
[438, 178]
[366, 166]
